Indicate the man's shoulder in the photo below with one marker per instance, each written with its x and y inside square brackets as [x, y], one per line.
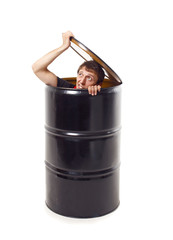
[63, 83]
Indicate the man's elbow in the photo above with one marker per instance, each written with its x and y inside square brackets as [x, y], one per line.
[35, 68]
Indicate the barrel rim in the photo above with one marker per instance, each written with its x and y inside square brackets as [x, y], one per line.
[83, 91]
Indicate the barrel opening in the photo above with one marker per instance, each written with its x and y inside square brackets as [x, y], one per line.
[106, 83]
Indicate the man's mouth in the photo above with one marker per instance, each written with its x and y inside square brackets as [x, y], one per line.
[80, 86]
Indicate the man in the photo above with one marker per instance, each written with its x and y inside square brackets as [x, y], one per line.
[90, 75]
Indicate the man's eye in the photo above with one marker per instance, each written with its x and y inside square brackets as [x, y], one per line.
[89, 78]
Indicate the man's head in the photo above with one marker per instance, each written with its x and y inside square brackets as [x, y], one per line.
[90, 73]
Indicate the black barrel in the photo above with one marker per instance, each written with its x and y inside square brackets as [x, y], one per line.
[82, 151]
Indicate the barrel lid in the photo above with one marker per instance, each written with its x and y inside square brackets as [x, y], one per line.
[83, 51]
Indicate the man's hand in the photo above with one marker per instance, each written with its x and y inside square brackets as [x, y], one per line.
[66, 39]
[94, 89]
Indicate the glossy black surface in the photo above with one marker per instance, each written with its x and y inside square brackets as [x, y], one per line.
[82, 151]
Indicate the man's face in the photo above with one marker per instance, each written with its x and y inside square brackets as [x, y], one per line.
[86, 78]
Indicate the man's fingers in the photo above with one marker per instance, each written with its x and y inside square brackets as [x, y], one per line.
[90, 90]
[93, 89]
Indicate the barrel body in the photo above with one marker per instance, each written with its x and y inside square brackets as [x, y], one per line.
[82, 151]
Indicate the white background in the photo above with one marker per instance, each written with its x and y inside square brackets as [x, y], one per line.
[136, 39]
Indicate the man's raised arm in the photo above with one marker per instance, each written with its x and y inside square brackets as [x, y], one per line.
[40, 66]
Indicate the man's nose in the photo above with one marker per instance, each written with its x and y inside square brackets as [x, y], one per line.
[83, 79]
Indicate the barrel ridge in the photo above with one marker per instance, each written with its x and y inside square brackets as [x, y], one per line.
[82, 134]
[82, 175]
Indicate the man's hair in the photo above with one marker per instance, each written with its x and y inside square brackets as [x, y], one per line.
[94, 66]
